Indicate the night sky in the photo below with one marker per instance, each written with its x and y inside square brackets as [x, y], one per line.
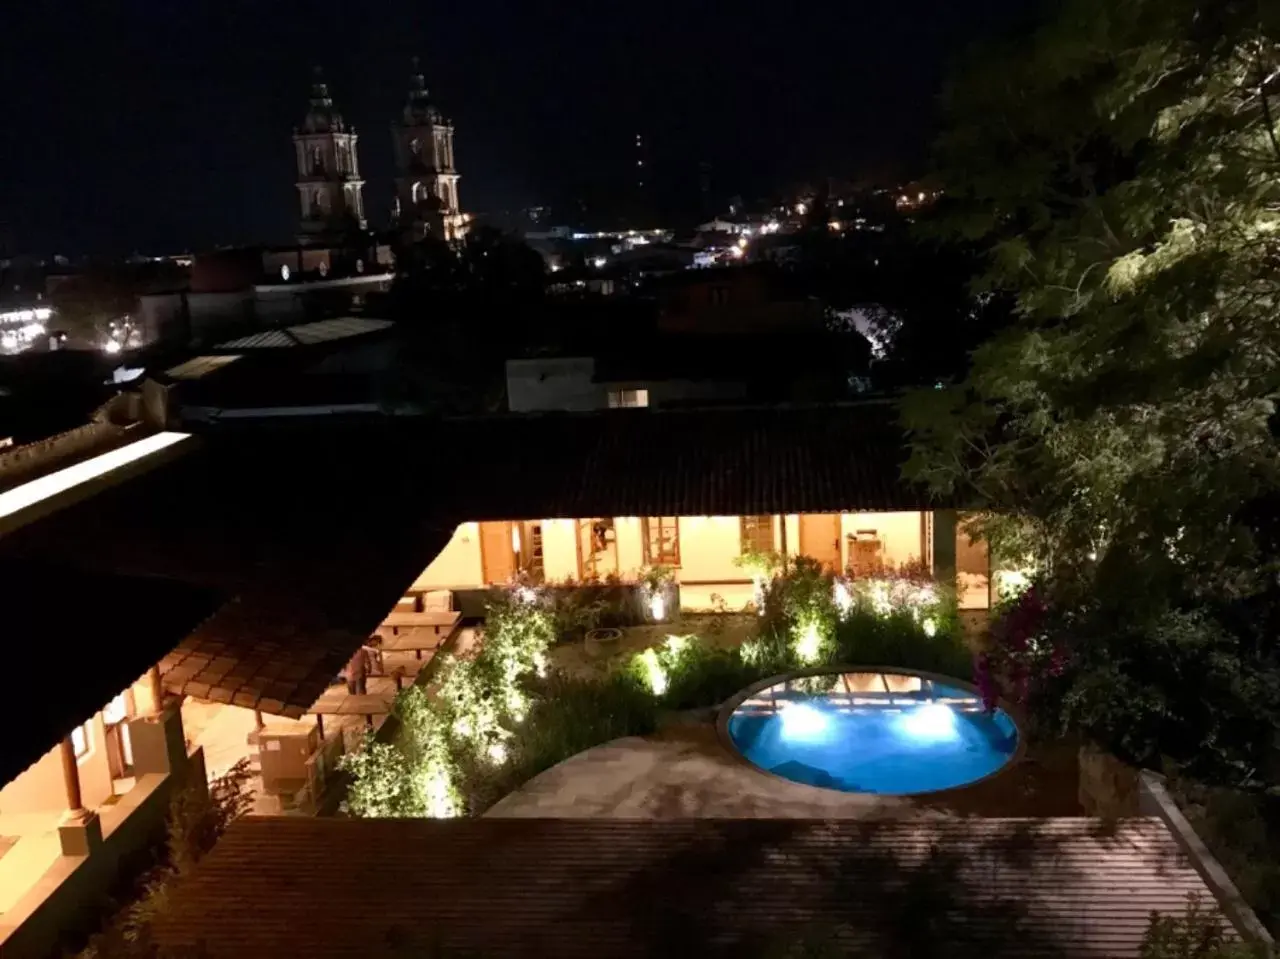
[164, 126]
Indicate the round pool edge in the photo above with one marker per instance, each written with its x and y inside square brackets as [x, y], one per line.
[730, 705]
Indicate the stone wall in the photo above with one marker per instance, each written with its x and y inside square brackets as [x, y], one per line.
[107, 424]
[1108, 787]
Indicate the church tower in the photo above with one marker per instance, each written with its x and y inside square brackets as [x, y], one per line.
[329, 184]
[426, 178]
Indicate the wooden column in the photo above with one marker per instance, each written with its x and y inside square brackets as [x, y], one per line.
[156, 689]
[71, 775]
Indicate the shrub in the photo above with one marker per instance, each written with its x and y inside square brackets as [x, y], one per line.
[465, 725]
[700, 675]
[1196, 934]
[1242, 830]
[382, 782]
[866, 638]
[567, 715]
[197, 819]
[799, 603]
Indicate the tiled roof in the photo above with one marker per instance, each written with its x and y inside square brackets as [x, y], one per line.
[690, 463]
[313, 532]
[306, 334]
[617, 888]
[280, 644]
[309, 545]
[66, 631]
[199, 366]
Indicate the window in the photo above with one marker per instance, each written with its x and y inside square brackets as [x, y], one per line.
[757, 534]
[662, 540]
[317, 162]
[82, 741]
[628, 399]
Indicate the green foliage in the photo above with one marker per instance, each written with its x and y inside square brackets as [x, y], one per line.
[761, 564]
[657, 577]
[575, 611]
[701, 675]
[1120, 167]
[1242, 830]
[864, 637]
[1178, 691]
[769, 653]
[382, 782]
[567, 716]
[1198, 933]
[198, 817]
[798, 602]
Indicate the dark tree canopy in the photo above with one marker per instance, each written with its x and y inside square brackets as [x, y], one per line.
[1122, 169]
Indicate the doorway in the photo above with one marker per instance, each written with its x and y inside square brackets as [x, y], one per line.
[820, 538]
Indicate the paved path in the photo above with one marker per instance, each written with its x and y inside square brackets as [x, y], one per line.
[681, 772]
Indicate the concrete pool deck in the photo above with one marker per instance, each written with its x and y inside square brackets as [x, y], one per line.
[684, 771]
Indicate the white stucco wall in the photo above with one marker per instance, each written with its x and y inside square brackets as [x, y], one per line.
[553, 383]
[708, 547]
[559, 550]
[458, 564]
[630, 533]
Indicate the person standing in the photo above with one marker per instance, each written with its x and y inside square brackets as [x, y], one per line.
[358, 672]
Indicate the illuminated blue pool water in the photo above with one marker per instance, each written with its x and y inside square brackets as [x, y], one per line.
[920, 737]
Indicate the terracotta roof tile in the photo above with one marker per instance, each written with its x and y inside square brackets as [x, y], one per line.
[308, 535]
[603, 888]
[89, 634]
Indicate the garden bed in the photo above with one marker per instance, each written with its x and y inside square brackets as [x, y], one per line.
[534, 695]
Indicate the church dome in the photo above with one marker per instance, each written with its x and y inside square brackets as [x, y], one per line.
[322, 117]
[419, 109]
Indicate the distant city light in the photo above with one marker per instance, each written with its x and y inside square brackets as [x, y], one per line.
[37, 315]
[801, 209]
[742, 242]
[599, 262]
[284, 272]
[112, 346]
[38, 490]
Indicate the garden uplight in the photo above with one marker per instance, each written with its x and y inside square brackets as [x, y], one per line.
[658, 607]
[842, 597]
[654, 675]
[676, 644]
[809, 644]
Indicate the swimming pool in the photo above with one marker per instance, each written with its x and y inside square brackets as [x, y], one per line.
[893, 733]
